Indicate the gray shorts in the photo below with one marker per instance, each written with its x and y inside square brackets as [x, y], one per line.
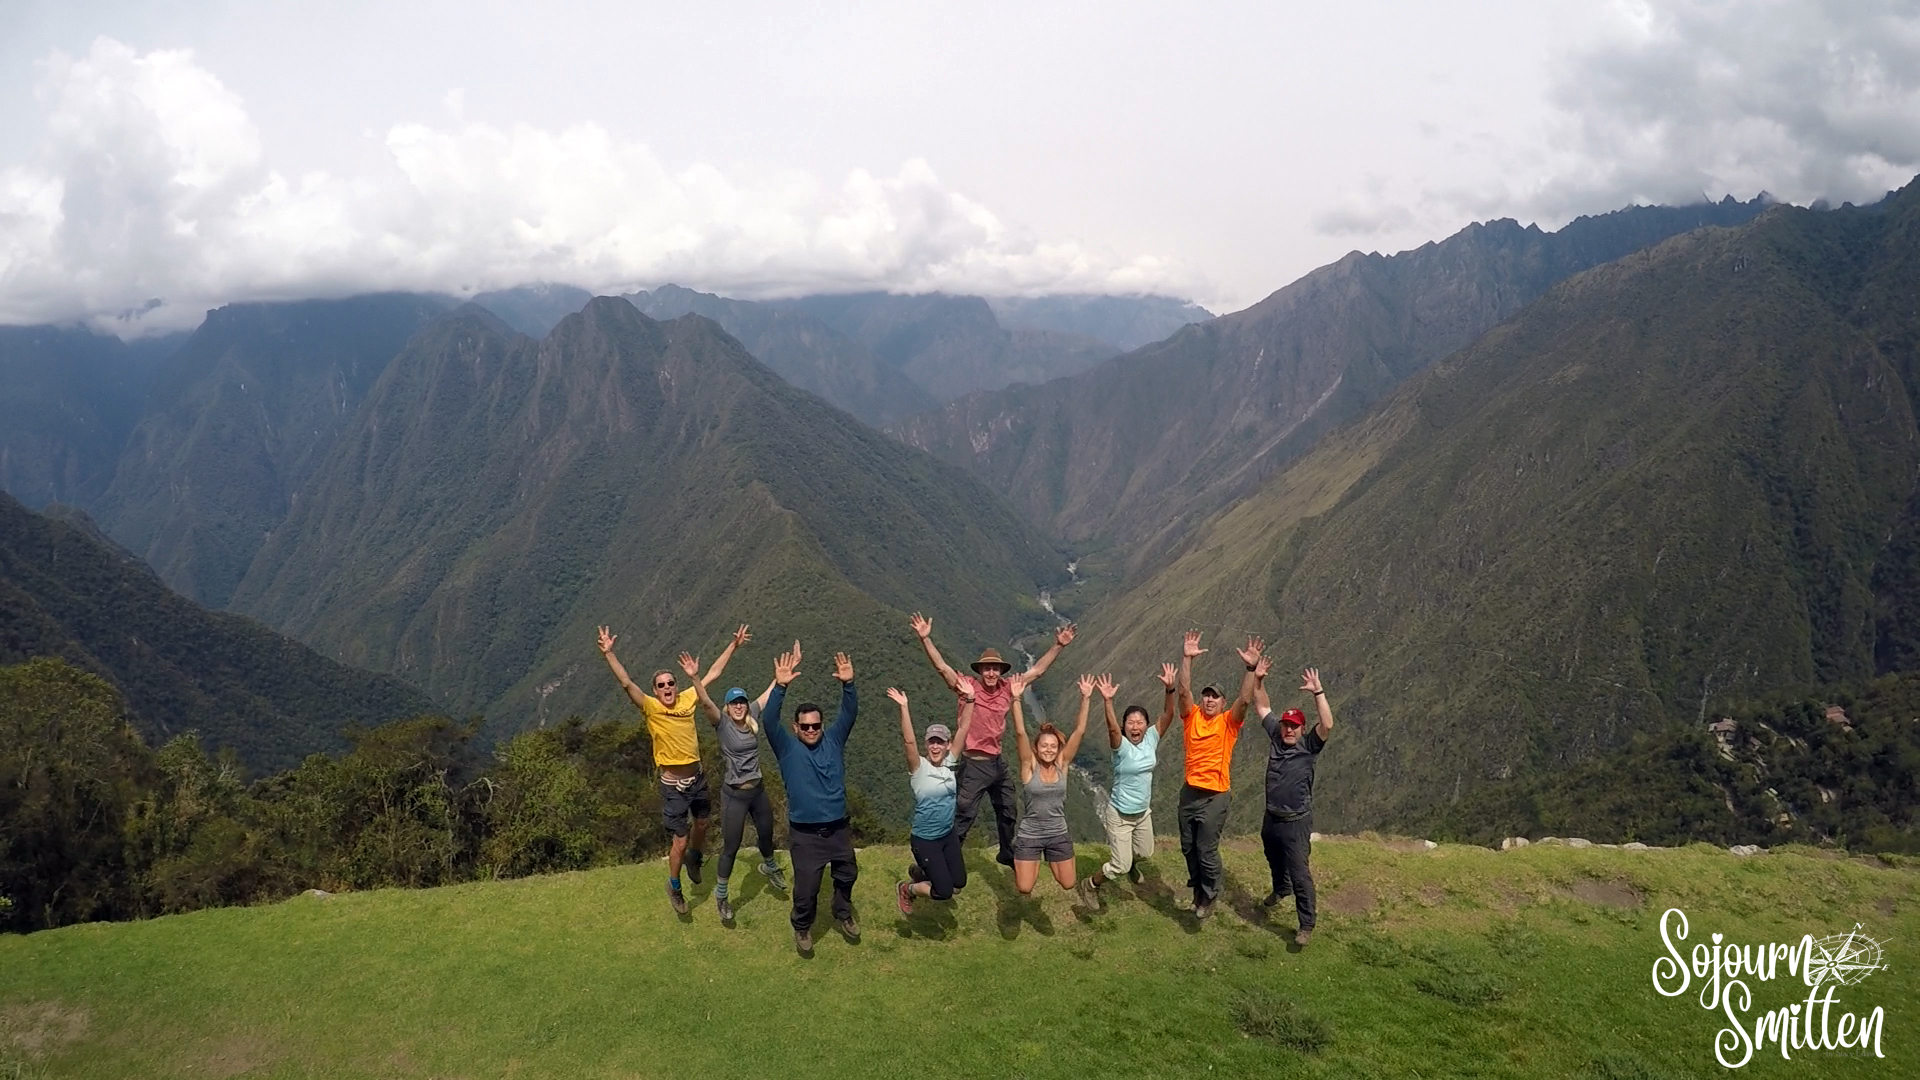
[1051, 849]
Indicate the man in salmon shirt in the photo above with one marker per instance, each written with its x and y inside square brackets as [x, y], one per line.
[981, 771]
[1209, 733]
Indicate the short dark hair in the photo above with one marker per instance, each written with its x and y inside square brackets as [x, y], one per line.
[805, 708]
[1131, 709]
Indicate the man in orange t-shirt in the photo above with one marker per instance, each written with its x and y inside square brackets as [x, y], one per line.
[1209, 733]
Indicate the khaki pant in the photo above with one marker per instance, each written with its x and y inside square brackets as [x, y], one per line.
[1129, 837]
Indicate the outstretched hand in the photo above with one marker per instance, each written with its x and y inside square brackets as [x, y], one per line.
[787, 665]
[1251, 654]
[606, 640]
[1261, 667]
[1310, 681]
[965, 693]
[1086, 686]
[1017, 684]
[842, 667]
[690, 664]
[741, 637]
[1190, 645]
[1168, 675]
[1063, 637]
[898, 695]
[922, 626]
[1106, 686]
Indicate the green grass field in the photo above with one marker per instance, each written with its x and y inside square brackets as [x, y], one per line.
[1452, 962]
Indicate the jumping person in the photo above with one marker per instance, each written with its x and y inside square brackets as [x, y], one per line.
[936, 851]
[1286, 831]
[1209, 733]
[1042, 833]
[982, 770]
[743, 792]
[676, 753]
[813, 762]
[1128, 811]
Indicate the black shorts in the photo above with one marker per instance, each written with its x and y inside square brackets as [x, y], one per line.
[682, 808]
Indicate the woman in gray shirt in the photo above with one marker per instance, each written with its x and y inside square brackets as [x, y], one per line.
[744, 792]
[1042, 833]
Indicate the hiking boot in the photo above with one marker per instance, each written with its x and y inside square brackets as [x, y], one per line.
[915, 874]
[725, 909]
[1302, 937]
[1133, 874]
[776, 877]
[1203, 910]
[849, 930]
[676, 898]
[904, 896]
[803, 942]
[1005, 858]
[1273, 898]
[1088, 892]
[692, 865]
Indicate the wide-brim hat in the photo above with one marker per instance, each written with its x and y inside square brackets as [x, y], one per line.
[991, 657]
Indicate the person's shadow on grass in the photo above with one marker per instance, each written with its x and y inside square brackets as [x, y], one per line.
[1160, 896]
[1011, 908]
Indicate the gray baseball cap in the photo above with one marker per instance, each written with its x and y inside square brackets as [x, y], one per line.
[940, 732]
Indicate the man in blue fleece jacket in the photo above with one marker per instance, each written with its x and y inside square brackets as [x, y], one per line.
[813, 763]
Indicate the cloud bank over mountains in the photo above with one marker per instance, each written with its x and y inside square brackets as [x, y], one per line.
[152, 200]
[1669, 101]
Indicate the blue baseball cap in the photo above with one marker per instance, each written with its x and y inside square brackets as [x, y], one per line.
[736, 694]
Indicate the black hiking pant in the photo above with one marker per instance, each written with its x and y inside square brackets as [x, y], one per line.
[940, 861]
[816, 848]
[1203, 817]
[1288, 843]
[736, 806]
[987, 778]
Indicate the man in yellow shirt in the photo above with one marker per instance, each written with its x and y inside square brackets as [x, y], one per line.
[1209, 732]
[669, 710]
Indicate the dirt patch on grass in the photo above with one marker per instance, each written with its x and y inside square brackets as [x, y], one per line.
[237, 1055]
[1887, 906]
[1610, 894]
[1349, 900]
[1432, 896]
[38, 1028]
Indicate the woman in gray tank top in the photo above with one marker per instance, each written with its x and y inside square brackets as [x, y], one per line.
[1042, 833]
[736, 727]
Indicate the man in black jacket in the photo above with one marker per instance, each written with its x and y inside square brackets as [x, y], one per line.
[1287, 830]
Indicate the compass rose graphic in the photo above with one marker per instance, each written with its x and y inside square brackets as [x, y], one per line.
[1845, 958]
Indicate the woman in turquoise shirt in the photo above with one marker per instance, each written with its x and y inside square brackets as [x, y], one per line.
[936, 850]
[1128, 813]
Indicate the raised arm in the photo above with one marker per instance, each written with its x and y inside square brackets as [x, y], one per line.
[842, 725]
[1189, 648]
[1170, 680]
[634, 693]
[1262, 704]
[785, 667]
[1251, 657]
[740, 637]
[1087, 684]
[761, 704]
[1062, 638]
[906, 728]
[923, 629]
[692, 667]
[1107, 689]
[1019, 687]
[1310, 682]
[966, 721]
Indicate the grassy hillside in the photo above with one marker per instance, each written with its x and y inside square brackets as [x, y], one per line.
[1681, 479]
[67, 592]
[1453, 962]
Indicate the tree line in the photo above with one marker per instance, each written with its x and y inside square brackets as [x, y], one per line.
[95, 824]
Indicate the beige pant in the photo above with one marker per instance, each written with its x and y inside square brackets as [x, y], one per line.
[1129, 837]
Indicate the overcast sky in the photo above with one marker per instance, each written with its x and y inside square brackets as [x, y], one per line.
[206, 151]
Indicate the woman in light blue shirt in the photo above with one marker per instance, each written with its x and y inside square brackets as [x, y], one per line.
[936, 850]
[1128, 811]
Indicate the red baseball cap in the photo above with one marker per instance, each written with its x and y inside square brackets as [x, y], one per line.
[1294, 717]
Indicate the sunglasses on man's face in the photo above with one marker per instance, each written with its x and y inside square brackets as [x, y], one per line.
[809, 727]
[667, 685]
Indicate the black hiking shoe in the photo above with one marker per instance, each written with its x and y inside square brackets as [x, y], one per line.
[1203, 910]
[692, 864]
[915, 874]
[1273, 899]
[1005, 858]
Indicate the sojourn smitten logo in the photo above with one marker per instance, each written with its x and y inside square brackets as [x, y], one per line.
[1823, 965]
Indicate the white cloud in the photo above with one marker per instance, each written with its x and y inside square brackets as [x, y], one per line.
[153, 185]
